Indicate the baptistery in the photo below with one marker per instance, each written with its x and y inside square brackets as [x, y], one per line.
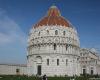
[53, 46]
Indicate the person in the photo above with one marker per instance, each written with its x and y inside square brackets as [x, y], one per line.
[44, 77]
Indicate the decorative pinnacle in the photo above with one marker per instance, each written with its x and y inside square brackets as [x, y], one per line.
[53, 6]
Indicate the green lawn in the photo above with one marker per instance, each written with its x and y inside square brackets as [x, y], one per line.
[8, 77]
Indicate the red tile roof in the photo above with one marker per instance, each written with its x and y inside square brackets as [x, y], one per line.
[53, 17]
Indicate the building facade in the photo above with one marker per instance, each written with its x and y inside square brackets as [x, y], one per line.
[90, 62]
[53, 46]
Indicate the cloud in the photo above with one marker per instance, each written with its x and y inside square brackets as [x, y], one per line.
[4, 39]
[9, 30]
[12, 40]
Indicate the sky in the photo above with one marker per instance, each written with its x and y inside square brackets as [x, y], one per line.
[18, 16]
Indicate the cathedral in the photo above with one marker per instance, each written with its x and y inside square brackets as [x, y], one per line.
[54, 48]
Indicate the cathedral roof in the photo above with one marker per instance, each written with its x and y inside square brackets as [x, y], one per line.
[53, 17]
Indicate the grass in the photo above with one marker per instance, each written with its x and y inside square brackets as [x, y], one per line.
[14, 77]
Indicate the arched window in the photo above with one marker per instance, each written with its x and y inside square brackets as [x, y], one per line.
[56, 32]
[57, 62]
[66, 61]
[47, 31]
[39, 34]
[55, 46]
[64, 33]
[39, 46]
[66, 47]
[48, 62]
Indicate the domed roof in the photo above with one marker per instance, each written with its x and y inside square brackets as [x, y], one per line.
[53, 17]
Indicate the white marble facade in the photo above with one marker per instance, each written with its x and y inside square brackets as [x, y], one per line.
[90, 61]
[46, 47]
[54, 48]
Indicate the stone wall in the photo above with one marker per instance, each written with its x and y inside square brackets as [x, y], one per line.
[13, 69]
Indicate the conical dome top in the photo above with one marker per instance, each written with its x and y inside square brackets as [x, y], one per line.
[53, 17]
[53, 11]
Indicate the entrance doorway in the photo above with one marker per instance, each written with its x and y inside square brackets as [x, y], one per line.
[84, 71]
[91, 70]
[39, 69]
